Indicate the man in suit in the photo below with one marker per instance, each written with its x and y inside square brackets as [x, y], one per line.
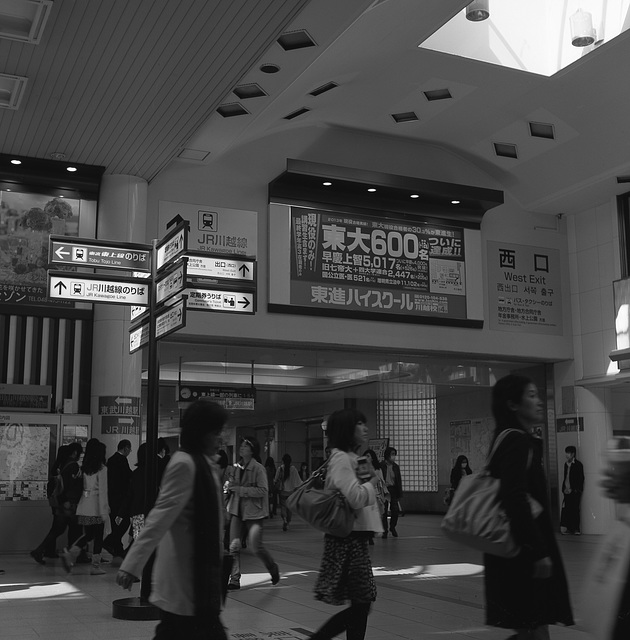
[118, 478]
[572, 488]
[393, 480]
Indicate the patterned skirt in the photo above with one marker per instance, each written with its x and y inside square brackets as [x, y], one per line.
[345, 573]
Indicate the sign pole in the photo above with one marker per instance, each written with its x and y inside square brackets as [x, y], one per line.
[140, 608]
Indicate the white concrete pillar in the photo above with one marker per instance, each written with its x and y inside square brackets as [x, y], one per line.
[117, 375]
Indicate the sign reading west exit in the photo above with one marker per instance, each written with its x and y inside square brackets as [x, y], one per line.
[227, 268]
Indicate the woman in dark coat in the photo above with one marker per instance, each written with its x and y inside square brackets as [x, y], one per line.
[459, 470]
[529, 592]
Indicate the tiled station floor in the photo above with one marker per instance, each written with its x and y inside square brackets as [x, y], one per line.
[428, 587]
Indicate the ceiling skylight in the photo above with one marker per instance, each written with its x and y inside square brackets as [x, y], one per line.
[533, 36]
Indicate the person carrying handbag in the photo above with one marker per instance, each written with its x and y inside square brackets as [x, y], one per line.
[346, 571]
[285, 482]
[527, 592]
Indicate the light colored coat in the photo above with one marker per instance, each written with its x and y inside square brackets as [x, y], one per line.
[253, 499]
[93, 500]
[170, 527]
[341, 474]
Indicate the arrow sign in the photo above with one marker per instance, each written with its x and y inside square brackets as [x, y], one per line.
[167, 320]
[172, 245]
[87, 252]
[171, 284]
[95, 288]
[201, 299]
[60, 253]
[204, 265]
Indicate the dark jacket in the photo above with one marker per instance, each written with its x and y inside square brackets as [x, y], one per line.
[576, 477]
[514, 599]
[395, 490]
[118, 477]
[72, 483]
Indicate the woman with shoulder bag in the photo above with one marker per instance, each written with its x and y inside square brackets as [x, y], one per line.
[346, 572]
[93, 508]
[527, 592]
[286, 481]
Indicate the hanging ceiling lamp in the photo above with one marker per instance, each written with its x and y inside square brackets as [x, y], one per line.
[478, 10]
[582, 32]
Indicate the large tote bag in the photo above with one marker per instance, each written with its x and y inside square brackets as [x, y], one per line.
[605, 606]
[476, 518]
[324, 509]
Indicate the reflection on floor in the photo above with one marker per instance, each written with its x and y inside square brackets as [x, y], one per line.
[427, 588]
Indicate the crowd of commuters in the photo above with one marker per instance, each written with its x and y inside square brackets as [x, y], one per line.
[206, 507]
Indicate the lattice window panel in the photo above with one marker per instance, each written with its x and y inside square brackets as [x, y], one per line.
[407, 415]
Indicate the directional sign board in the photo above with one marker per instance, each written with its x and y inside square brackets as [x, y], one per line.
[218, 300]
[166, 321]
[173, 245]
[86, 252]
[203, 265]
[228, 397]
[93, 288]
[170, 284]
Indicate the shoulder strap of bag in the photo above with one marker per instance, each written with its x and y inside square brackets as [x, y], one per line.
[498, 441]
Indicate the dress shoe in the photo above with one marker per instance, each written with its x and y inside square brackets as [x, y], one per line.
[233, 586]
[285, 526]
[275, 574]
[38, 556]
[53, 555]
[385, 535]
[393, 532]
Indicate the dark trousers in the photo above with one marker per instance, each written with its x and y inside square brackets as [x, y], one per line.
[113, 542]
[394, 512]
[61, 520]
[91, 532]
[570, 515]
[352, 620]
[174, 627]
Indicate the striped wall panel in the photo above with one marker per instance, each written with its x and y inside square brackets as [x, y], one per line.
[55, 351]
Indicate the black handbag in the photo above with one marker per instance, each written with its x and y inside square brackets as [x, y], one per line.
[325, 509]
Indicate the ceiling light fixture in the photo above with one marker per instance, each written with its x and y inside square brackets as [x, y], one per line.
[455, 201]
[582, 32]
[58, 155]
[71, 169]
[478, 10]
[327, 184]
[16, 162]
[372, 190]
[414, 195]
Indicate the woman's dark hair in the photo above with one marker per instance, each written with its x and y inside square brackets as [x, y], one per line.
[458, 463]
[223, 459]
[202, 417]
[162, 445]
[370, 453]
[341, 427]
[74, 447]
[94, 458]
[509, 389]
[286, 463]
[63, 454]
[142, 455]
